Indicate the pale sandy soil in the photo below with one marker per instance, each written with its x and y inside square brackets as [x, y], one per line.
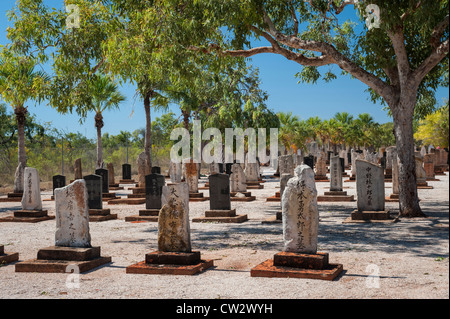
[411, 256]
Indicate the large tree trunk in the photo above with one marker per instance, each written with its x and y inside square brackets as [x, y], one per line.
[99, 124]
[403, 131]
[21, 113]
[148, 132]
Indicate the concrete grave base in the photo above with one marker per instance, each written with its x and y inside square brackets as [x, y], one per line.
[171, 263]
[221, 216]
[197, 197]
[7, 258]
[277, 219]
[57, 259]
[145, 215]
[336, 196]
[100, 215]
[295, 265]
[28, 216]
[245, 197]
[370, 217]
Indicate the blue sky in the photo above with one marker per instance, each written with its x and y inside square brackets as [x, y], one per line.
[278, 79]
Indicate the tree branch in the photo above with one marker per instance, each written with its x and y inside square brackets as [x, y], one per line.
[429, 63]
[437, 32]
[398, 42]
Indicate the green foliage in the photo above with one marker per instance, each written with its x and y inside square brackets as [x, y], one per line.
[434, 128]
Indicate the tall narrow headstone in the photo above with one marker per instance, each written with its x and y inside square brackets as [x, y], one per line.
[93, 184]
[174, 233]
[18, 179]
[59, 181]
[191, 174]
[428, 165]
[111, 174]
[175, 172]
[154, 184]
[370, 194]
[126, 172]
[105, 179]
[238, 181]
[335, 174]
[143, 169]
[300, 212]
[321, 168]
[286, 164]
[78, 171]
[31, 199]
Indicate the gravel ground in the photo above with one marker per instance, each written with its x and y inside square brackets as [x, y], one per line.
[410, 256]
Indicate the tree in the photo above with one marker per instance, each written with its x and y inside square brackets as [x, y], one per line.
[105, 96]
[20, 82]
[400, 59]
[434, 129]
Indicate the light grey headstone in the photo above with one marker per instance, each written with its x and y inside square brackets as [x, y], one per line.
[369, 186]
[300, 212]
[238, 181]
[31, 199]
[335, 174]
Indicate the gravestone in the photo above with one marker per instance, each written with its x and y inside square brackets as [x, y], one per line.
[78, 171]
[18, 179]
[59, 181]
[428, 165]
[394, 197]
[299, 258]
[143, 169]
[175, 172]
[421, 174]
[31, 211]
[252, 176]
[286, 164]
[105, 179]
[309, 160]
[336, 193]
[321, 168]
[238, 180]
[220, 202]
[72, 216]
[111, 175]
[214, 168]
[156, 170]
[370, 194]
[94, 186]
[228, 167]
[174, 255]
[191, 175]
[126, 172]
[72, 236]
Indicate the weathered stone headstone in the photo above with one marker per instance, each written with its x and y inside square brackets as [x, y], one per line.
[428, 165]
[59, 181]
[78, 171]
[94, 191]
[143, 169]
[111, 174]
[335, 174]
[191, 175]
[72, 216]
[31, 199]
[72, 236]
[214, 168]
[126, 172]
[105, 179]
[174, 255]
[321, 168]
[173, 226]
[421, 174]
[286, 164]
[251, 172]
[175, 172]
[18, 179]
[394, 197]
[299, 258]
[238, 180]
[300, 212]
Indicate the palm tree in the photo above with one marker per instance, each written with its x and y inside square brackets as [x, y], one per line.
[105, 96]
[19, 82]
